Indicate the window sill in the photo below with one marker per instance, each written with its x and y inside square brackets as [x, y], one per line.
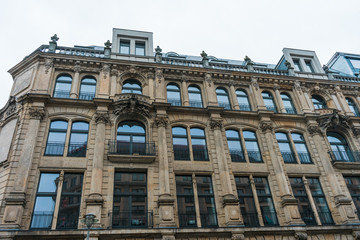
[119, 158]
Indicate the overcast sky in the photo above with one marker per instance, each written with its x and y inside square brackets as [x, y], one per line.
[224, 29]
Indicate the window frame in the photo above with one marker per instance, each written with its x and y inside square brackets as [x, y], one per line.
[62, 93]
[174, 101]
[131, 89]
[87, 95]
[225, 94]
[322, 104]
[288, 98]
[243, 107]
[193, 102]
[352, 105]
[271, 98]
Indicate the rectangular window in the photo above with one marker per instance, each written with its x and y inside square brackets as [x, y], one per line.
[130, 201]
[309, 67]
[140, 48]
[206, 201]
[125, 46]
[297, 66]
[353, 184]
[185, 201]
[265, 201]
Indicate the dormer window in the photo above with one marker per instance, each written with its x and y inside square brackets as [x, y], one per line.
[124, 46]
[308, 66]
[297, 65]
[140, 48]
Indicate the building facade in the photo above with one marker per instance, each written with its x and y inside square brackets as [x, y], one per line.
[170, 146]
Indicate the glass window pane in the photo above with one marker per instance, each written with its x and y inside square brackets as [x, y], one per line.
[43, 212]
[232, 134]
[48, 182]
[197, 132]
[124, 47]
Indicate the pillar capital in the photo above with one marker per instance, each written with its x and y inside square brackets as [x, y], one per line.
[101, 117]
[216, 124]
[37, 113]
[266, 125]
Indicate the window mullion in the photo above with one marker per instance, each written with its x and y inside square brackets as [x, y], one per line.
[293, 148]
[311, 200]
[58, 200]
[190, 144]
[256, 200]
[196, 200]
[67, 138]
[242, 143]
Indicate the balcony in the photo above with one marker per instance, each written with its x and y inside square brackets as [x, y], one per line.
[174, 101]
[289, 157]
[61, 94]
[196, 104]
[345, 159]
[181, 152]
[54, 149]
[132, 219]
[251, 219]
[134, 152]
[86, 96]
[254, 156]
[77, 150]
[237, 155]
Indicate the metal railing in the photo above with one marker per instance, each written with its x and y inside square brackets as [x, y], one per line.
[70, 223]
[304, 157]
[54, 149]
[251, 219]
[174, 101]
[194, 103]
[61, 94]
[237, 155]
[132, 219]
[187, 219]
[325, 217]
[225, 105]
[271, 108]
[244, 107]
[208, 220]
[132, 148]
[200, 154]
[77, 150]
[254, 156]
[181, 152]
[289, 157]
[345, 156]
[41, 219]
[290, 110]
[86, 96]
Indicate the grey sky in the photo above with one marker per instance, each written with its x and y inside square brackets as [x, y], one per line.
[224, 29]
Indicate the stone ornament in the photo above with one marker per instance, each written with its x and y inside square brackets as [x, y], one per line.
[301, 236]
[159, 74]
[248, 61]
[54, 38]
[266, 126]
[276, 87]
[108, 44]
[102, 117]
[288, 65]
[49, 63]
[37, 113]
[105, 69]
[208, 79]
[356, 235]
[237, 236]
[356, 131]
[158, 54]
[77, 67]
[216, 124]
[132, 105]
[334, 119]
[297, 86]
[254, 83]
[9, 109]
[314, 129]
[161, 122]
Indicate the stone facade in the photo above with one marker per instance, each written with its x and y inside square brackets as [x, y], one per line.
[27, 126]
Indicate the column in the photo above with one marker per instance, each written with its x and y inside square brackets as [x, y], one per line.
[184, 91]
[230, 201]
[113, 82]
[15, 201]
[166, 201]
[95, 199]
[300, 97]
[104, 82]
[278, 98]
[342, 203]
[288, 202]
[159, 86]
[233, 97]
[255, 93]
[210, 91]
[152, 89]
[308, 100]
[342, 101]
[74, 91]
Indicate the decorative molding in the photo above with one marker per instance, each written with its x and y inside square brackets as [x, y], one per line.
[254, 83]
[216, 124]
[313, 129]
[266, 125]
[101, 117]
[132, 104]
[356, 235]
[356, 131]
[37, 113]
[208, 79]
[301, 236]
[77, 67]
[161, 121]
[159, 74]
[49, 63]
[297, 86]
[334, 119]
[105, 69]
[276, 87]
[237, 236]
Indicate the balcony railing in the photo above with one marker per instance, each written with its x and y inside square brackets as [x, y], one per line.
[325, 217]
[244, 107]
[194, 103]
[86, 96]
[200, 154]
[304, 157]
[237, 155]
[54, 149]
[289, 157]
[208, 220]
[345, 156]
[61, 94]
[132, 148]
[225, 105]
[251, 219]
[187, 219]
[41, 219]
[77, 150]
[290, 110]
[271, 108]
[132, 219]
[174, 101]
[181, 152]
[254, 156]
[308, 217]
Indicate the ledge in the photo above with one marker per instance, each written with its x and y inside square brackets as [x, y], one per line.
[119, 158]
[346, 165]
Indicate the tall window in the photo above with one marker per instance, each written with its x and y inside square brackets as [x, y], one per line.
[131, 86]
[78, 139]
[269, 101]
[56, 138]
[340, 150]
[301, 148]
[130, 201]
[62, 86]
[289, 106]
[246, 201]
[353, 107]
[186, 192]
[173, 94]
[87, 88]
[131, 138]
[198, 143]
[223, 98]
[235, 148]
[69, 205]
[306, 212]
[125, 46]
[319, 102]
[195, 99]
[265, 201]
[297, 65]
[243, 100]
[308, 66]
[252, 147]
[140, 48]
[285, 147]
[180, 143]
[353, 184]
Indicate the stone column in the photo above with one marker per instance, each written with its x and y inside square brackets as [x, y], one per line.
[255, 92]
[342, 101]
[278, 98]
[160, 86]
[342, 203]
[95, 199]
[210, 91]
[230, 201]
[288, 202]
[166, 201]
[104, 82]
[301, 98]
[184, 91]
[113, 82]
[311, 200]
[152, 89]
[16, 200]
[233, 97]
[308, 100]
[74, 92]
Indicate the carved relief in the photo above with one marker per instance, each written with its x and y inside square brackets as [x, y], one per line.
[254, 83]
[105, 69]
[297, 86]
[356, 131]
[159, 74]
[161, 122]
[208, 79]
[314, 129]
[356, 235]
[49, 63]
[335, 119]
[266, 126]
[132, 105]
[216, 124]
[238, 236]
[301, 236]
[276, 87]
[77, 67]
[102, 117]
[37, 113]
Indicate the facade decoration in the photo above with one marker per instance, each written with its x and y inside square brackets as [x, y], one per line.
[37, 113]
[334, 120]
[132, 104]
[102, 117]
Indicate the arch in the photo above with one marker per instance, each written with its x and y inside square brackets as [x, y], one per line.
[62, 86]
[56, 137]
[288, 103]
[269, 101]
[173, 94]
[87, 88]
[131, 138]
[340, 150]
[195, 96]
[319, 102]
[131, 86]
[353, 107]
[243, 99]
[180, 143]
[223, 98]
[78, 139]
[235, 147]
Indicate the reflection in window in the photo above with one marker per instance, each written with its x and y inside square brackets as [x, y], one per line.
[289, 106]
[140, 48]
[131, 138]
[308, 66]
[173, 94]
[78, 139]
[223, 98]
[234, 143]
[56, 138]
[62, 86]
[340, 150]
[301, 148]
[125, 46]
[252, 146]
[269, 101]
[206, 201]
[195, 99]
[353, 184]
[265, 201]
[297, 66]
[198, 143]
[185, 201]
[353, 107]
[285, 147]
[319, 102]
[132, 86]
[87, 88]
[180, 143]
[243, 100]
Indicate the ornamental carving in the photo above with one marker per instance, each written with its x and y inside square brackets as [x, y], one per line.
[105, 69]
[132, 104]
[266, 126]
[301, 236]
[314, 129]
[37, 113]
[334, 119]
[161, 122]
[10, 109]
[255, 83]
[356, 131]
[238, 236]
[102, 117]
[77, 67]
[208, 79]
[216, 124]
[356, 235]
[276, 87]
[49, 63]
[297, 86]
[159, 74]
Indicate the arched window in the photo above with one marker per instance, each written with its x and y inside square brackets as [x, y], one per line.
[340, 150]
[243, 100]
[223, 98]
[353, 107]
[319, 102]
[198, 143]
[62, 86]
[131, 138]
[234, 143]
[87, 88]
[289, 106]
[56, 138]
[301, 148]
[78, 139]
[269, 101]
[195, 99]
[252, 146]
[173, 94]
[180, 143]
[131, 86]
[285, 147]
